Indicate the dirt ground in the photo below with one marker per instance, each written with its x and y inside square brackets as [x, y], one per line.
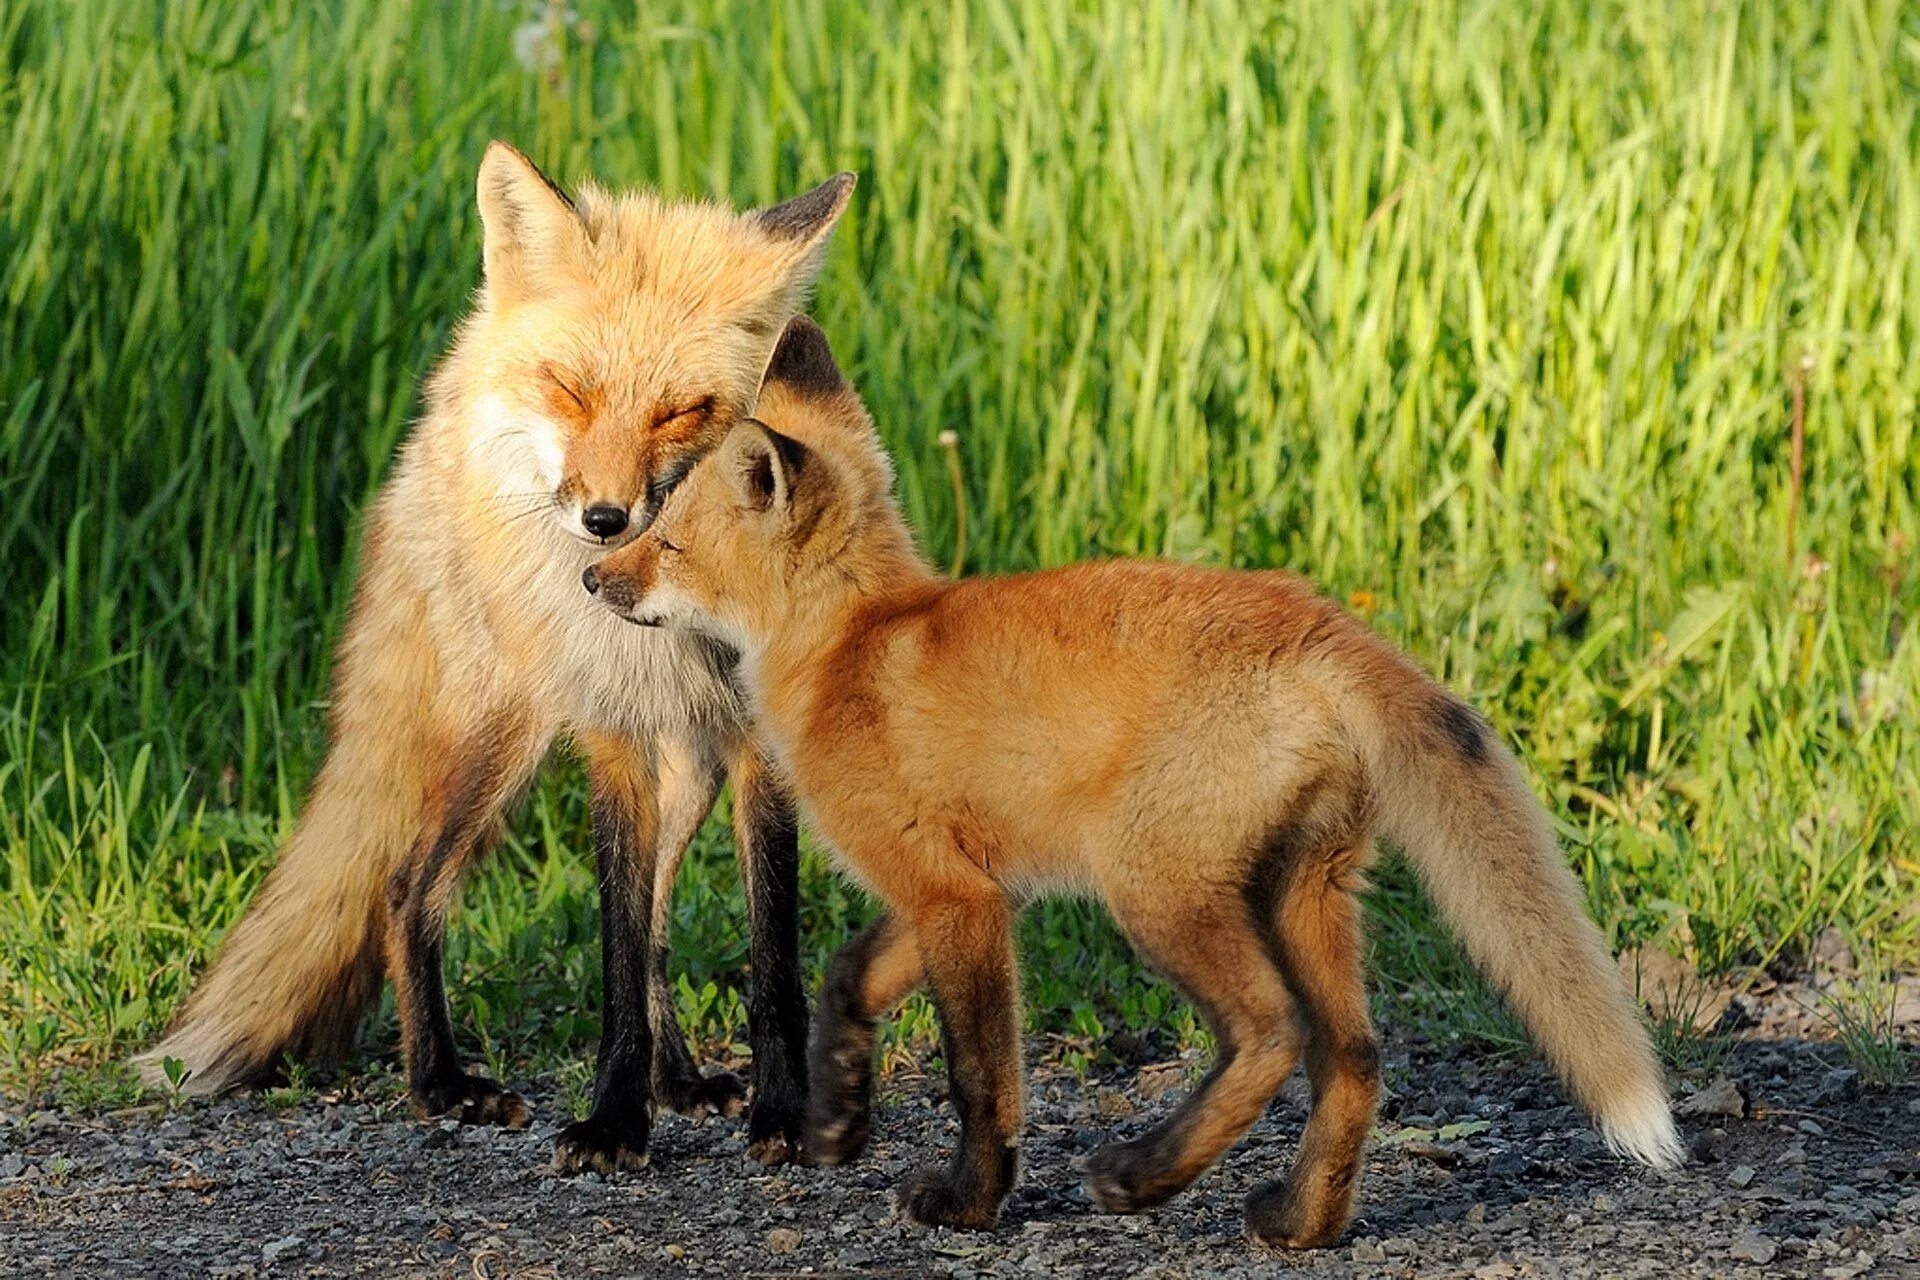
[1479, 1170]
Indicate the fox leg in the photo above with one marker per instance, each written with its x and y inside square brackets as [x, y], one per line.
[626, 827]
[490, 767]
[767, 835]
[1216, 956]
[687, 772]
[1318, 942]
[865, 978]
[967, 947]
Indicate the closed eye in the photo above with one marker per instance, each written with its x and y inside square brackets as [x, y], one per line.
[699, 408]
[573, 392]
[669, 479]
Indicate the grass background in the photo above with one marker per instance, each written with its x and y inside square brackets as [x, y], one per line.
[1486, 315]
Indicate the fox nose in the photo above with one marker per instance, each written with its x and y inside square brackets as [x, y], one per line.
[591, 580]
[604, 520]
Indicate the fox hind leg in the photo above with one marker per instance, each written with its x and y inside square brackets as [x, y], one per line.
[489, 769]
[1318, 943]
[865, 978]
[1219, 960]
[967, 947]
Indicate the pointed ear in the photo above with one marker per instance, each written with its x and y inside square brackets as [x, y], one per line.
[763, 466]
[803, 362]
[533, 231]
[800, 226]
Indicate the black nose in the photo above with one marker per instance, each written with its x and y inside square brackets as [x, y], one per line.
[591, 580]
[604, 521]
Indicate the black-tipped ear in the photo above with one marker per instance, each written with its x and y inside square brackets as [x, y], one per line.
[763, 465]
[532, 227]
[809, 217]
[803, 361]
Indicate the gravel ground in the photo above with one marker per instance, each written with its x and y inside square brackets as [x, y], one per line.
[1480, 1171]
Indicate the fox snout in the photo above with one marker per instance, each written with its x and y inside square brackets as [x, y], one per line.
[621, 501]
[620, 583]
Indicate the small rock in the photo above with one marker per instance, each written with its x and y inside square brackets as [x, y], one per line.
[1720, 1098]
[1811, 1127]
[1116, 1105]
[1840, 1084]
[782, 1240]
[275, 1252]
[1368, 1251]
[12, 1165]
[1477, 1212]
[1508, 1164]
[675, 1251]
[1751, 1246]
[1445, 1157]
[1742, 1175]
[1160, 1079]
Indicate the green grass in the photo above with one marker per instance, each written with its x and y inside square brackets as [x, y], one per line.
[1486, 315]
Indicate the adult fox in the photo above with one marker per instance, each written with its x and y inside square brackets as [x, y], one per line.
[1210, 752]
[615, 339]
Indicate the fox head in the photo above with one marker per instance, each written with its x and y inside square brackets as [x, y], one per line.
[789, 516]
[618, 337]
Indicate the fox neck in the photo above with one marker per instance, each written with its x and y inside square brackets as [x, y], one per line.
[787, 663]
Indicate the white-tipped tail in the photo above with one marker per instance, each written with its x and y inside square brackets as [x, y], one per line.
[1644, 1131]
[1457, 802]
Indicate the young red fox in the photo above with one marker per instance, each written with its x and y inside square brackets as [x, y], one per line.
[1210, 752]
[615, 341]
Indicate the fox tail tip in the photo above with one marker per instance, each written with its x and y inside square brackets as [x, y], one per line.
[1644, 1132]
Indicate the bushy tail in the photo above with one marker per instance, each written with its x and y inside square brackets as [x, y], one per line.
[298, 971]
[1457, 802]
[296, 974]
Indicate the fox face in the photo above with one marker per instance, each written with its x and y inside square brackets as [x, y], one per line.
[777, 509]
[618, 338]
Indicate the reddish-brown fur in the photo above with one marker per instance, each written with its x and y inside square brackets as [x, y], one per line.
[1210, 752]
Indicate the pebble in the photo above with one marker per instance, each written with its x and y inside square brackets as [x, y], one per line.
[782, 1240]
[275, 1252]
[1751, 1246]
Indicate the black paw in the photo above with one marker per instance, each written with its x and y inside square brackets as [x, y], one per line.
[1126, 1177]
[775, 1131]
[1288, 1214]
[933, 1196]
[470, 1100]
[720, 1094]
[600, 1145]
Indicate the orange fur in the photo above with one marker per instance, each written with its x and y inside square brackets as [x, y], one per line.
[1211, 752]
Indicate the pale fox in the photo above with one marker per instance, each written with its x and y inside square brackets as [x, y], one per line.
[1210, 752]
[615, 339]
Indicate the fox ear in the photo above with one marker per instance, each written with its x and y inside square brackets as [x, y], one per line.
[798, 229]
[803, 361]
[763, 466]
[532, 229]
